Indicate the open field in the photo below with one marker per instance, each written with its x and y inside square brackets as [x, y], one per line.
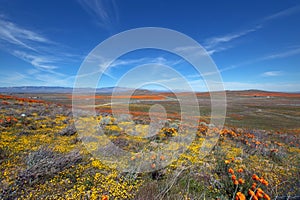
[255, 156]
[245, 109]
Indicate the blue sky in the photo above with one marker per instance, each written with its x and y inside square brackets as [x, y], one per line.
[254, 44]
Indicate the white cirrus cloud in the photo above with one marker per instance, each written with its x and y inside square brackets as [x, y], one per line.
[38, 61]
[283, 13]
[215, 41]
[104, 11]
[45, 55]
[13, 34]
[272, 73]
[282, 54]
[213, 44]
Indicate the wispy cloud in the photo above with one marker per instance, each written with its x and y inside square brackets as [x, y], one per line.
[44, 55]
[272, 73]
[195, 51]
[276, 55]
[25, 44]
[125, 62]
[283, 13]
[34, 78]
[106, 66]
[105, 12]
[215, 41]
[13, 34]
[40, 62]
[214, 44]
[283, 54]
[145, 60]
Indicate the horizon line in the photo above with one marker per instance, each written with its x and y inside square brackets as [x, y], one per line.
[152, 90]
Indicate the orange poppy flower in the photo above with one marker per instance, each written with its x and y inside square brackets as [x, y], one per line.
[267, 197]
[261, 179]
[255, 177]
[240, 196]
[235, 182]
[227, 161]
[264, 182]
[254, 198]
[104, 197]
[233, 177]
[251, 193]
[260, 190]
[259, 193]
[241, 181]
[274, 150]
[240, 170]
[230, 170]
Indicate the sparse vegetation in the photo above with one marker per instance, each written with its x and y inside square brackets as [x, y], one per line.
[42, 157]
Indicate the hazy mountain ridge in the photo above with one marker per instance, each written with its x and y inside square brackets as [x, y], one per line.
[50, 89]
[109, 90]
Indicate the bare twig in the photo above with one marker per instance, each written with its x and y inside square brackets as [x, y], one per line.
[167, 189]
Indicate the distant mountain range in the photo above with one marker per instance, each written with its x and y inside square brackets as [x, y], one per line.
[46, 89]
[107, 90]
